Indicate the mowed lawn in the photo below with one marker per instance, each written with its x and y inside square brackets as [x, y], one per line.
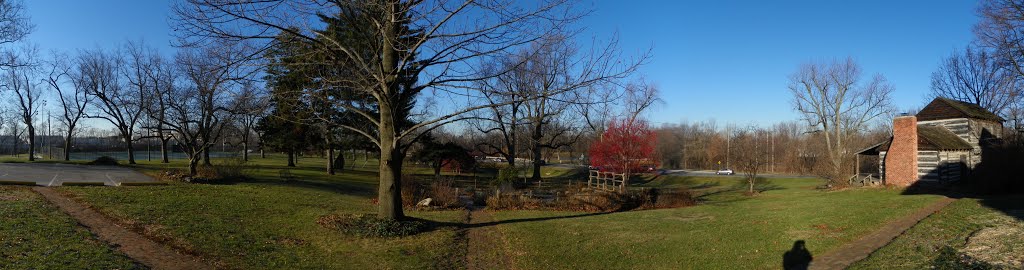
[37, 235]
[728, 231]
[266, 223]
[962, 226]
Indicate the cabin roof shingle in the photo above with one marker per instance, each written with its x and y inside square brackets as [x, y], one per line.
[928, 138]
[944, 108]
[939, 138]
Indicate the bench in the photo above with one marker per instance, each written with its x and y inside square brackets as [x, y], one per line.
[287, 175]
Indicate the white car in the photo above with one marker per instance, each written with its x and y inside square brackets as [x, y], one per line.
[725, 172]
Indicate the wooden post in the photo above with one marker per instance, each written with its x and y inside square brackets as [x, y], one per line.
[856, 164]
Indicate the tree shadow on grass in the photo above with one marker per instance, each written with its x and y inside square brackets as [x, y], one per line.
[1011, 204]
[705, 185]
[463, 225]
[301, 180]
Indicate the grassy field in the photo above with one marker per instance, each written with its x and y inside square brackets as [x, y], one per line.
[266, 223]
[956, 226]
[36, 235]
[728, 231]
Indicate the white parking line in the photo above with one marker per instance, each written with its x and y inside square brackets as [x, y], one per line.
[112, 182]
[54, 179]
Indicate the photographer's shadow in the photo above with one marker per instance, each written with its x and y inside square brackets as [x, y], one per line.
[797, 258]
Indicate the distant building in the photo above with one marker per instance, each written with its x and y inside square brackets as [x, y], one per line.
[942, 143]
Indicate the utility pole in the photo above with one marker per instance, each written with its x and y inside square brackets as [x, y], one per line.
[728, 142]
[49, 148]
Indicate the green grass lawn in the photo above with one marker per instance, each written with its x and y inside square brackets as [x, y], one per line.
[952, 226]
[728, 231]
[266, 223]
[36, 235]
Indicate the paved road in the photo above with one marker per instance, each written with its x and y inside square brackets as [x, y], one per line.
[56, 174]
[712, 173]
[699, 173]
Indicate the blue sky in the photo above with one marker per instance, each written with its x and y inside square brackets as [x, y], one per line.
[722, 60]
[71, 25]
[742, 52]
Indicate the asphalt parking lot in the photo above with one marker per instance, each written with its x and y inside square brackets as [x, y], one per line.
[44, 174]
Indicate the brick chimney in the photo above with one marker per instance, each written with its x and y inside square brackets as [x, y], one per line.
[901, 159]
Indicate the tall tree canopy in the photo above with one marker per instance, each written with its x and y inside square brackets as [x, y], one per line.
[394, 50]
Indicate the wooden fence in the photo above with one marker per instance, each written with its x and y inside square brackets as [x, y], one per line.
[606, 180]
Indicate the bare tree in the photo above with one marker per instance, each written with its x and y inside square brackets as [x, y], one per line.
[118, 104]
[640, 97]
[752, 157]
[73, 101]
[251, 104]
[1001, 28]
[499, 124]
[198, 111]
[437, 42]
[162, 74]
[19, 79]
[15, 25]
[977, 76]
[832, 97]
[555, 71]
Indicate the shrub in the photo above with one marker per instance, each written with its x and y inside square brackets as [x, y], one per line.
[672, 198]
[175, 175]
[232, 169]
[589, 201]
[444, 194]
[104, 160]
[229, 171]
[513, 202]
[371, 226]
[578, 199]
[509, 177]
[412, 190]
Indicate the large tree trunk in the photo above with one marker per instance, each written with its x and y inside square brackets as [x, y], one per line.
[245, 150]
[291, 158]
[330, 161]
[206, 157]
[131, 148]
[538, 134]
[339, 161]
[67, 147]
[389, 194]
[436, 165]
[31, 143]
[164, 150]
[193, 164]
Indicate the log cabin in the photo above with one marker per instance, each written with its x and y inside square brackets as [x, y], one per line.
[942, 143]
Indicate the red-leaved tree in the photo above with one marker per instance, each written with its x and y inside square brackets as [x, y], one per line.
[626, 146]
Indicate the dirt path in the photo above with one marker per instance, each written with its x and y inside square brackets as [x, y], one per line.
[136, 246]
[486, 247]
[861, 248]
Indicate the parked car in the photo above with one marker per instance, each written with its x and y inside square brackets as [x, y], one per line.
[725, 172]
